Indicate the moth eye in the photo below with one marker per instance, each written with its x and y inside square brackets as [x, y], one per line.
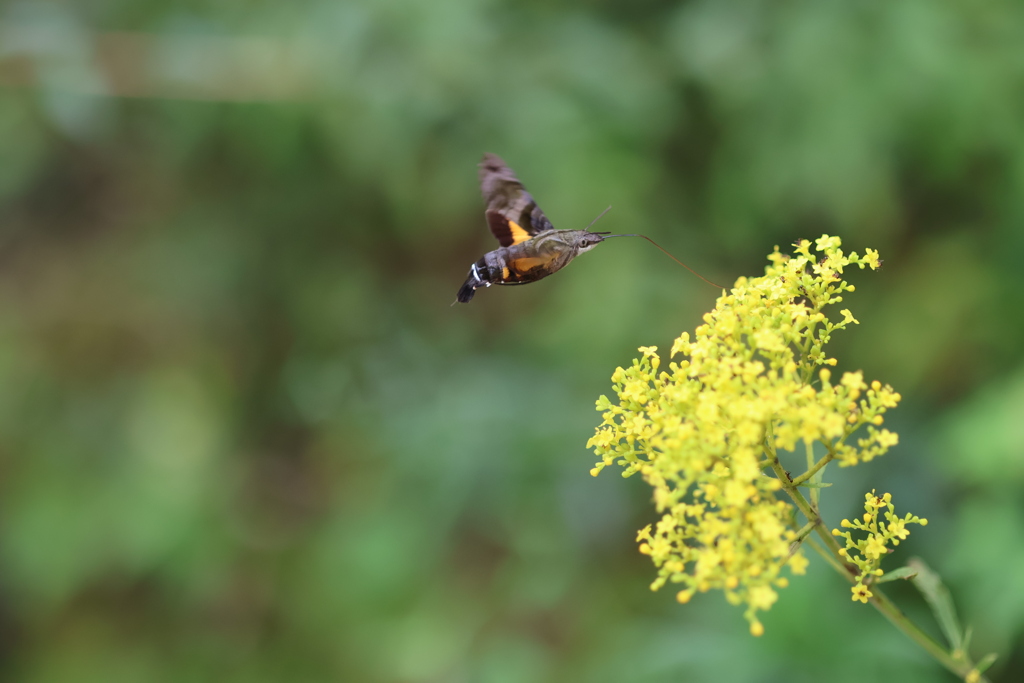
[584, 244]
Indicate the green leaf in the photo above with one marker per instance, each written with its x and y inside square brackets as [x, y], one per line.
[985, 662]
[814, 485]
[901, 573]
[938, 598]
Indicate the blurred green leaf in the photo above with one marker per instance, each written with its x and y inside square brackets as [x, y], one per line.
[938, 598]
[901, 573]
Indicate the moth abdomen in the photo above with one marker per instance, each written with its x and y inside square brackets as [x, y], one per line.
[481, 274]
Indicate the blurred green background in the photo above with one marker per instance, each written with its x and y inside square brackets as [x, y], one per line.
[244, 437]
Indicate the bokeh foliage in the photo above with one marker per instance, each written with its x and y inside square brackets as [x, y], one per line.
[244, 437]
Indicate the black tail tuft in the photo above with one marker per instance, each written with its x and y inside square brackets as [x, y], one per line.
[466, 292]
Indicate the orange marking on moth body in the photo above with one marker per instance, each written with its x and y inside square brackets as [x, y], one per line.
[504, 273]
[523, 265]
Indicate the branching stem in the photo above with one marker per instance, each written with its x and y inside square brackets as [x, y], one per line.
[829, 550]
[826, 459]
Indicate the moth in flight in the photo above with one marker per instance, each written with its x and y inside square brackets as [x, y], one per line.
[531, 248]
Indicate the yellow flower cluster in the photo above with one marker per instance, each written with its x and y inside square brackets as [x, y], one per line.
[867, 553]
[699, 432]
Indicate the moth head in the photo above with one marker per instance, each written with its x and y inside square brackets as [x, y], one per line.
[585, 240]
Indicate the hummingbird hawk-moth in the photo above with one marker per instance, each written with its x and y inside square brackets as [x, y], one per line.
[531, 248]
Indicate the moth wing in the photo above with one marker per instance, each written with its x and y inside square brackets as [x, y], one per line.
[505, 230]
[512, 214]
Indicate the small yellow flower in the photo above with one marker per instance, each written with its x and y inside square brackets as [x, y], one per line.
[762, 597]
[898, 529]
[861, 593]
[827, 244]
[871, 258]
[853, 381]
[874, 547]
[798, 564]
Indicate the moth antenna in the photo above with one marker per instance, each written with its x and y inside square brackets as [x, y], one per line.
[598, 217]
[668, 254]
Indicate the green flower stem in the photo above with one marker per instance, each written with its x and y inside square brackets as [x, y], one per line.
[809, 511]
[805, 531]
[814, 469]
[827, 556]
[805, 507]
[815, 493]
